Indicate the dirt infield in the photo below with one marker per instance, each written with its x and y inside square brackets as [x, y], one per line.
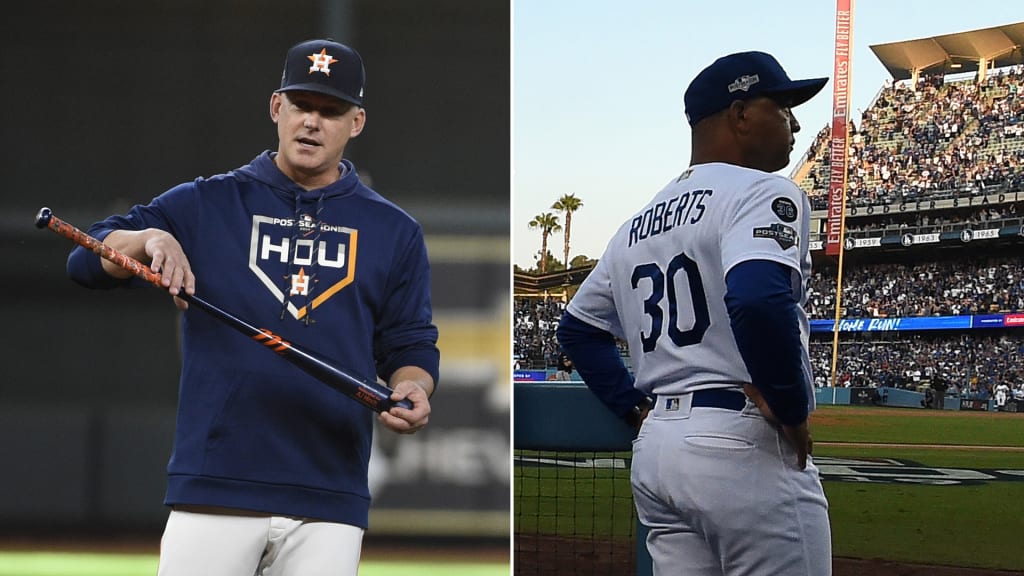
[537, 555]
[856, 567]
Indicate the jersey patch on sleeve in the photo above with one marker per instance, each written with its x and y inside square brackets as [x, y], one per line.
[785, 209]
[785, 235]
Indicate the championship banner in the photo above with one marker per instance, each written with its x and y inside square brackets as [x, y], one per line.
[840, 121]
[908, 240]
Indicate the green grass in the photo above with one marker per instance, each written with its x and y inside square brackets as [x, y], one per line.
[915, 426]
[406, 568]
[81, 564]
[949, 525]
[573, 501]
[78, 564]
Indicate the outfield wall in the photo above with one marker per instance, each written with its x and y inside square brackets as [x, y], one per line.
[896, 397]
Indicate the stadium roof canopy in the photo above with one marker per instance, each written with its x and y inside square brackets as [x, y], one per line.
[984, 49]
[537, 284]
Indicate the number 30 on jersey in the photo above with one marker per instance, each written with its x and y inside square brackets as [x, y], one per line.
[662, 283]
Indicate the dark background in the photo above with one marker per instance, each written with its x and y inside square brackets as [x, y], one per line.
[107, 104]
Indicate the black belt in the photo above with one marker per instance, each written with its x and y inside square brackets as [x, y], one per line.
[719, 398]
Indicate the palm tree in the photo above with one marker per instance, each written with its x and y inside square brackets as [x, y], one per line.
[547, 223]
[567, 204]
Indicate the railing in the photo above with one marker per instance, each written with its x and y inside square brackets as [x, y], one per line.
[819, 202]
[890, 230]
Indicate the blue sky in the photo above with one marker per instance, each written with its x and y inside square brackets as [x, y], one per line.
[598, 88]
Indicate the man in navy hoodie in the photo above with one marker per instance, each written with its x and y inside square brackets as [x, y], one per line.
[269, 469]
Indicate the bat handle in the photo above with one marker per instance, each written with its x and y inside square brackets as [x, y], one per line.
[403, 403]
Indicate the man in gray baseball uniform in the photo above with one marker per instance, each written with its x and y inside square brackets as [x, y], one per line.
[707, 285]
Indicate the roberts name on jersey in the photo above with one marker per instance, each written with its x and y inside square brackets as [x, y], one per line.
[686, 208]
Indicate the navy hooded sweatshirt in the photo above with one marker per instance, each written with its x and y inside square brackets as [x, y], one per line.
[338, 270]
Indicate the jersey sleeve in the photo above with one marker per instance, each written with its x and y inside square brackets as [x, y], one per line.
[594, 303]
[174, 211]
[405, 334]
[767, 223]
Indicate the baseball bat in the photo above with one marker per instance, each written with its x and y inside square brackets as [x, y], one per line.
[370, 394]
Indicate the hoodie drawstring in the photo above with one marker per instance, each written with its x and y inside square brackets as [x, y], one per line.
[314, 265]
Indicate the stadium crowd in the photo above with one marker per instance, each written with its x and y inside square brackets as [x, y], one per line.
[534, 343]
[972, 365]
[936, 288]
[934, 140]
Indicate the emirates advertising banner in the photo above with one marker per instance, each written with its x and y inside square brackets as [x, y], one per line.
[840, 121]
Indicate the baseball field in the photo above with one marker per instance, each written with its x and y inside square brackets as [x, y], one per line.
[377, 562]
[910, 492]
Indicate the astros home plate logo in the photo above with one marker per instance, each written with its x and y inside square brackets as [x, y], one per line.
[321, 264]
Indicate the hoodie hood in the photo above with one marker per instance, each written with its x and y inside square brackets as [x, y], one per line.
[263, 169]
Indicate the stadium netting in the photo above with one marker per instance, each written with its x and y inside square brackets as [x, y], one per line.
[571, 496]
[574, 513]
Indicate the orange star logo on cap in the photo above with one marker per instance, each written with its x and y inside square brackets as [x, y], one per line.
[321, 62]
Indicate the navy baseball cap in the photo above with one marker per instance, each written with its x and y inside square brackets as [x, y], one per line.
[326, 67]
[742, 76]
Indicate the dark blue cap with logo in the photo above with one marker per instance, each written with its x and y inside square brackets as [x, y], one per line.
[742, 76]
[326, 67]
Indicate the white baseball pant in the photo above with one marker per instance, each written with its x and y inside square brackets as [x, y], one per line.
[721, 495]
[218, 544]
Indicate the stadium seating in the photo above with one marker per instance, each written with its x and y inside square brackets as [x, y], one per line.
[938, 139]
